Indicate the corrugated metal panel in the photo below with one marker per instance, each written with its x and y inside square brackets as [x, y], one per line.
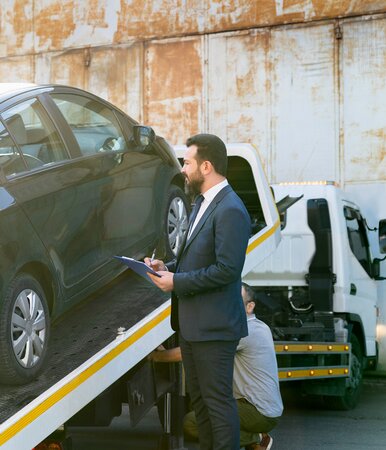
[364, 100]
[61, 68]
[112, 73]
[116, 75]
[16, 27]
[304, 104]
[239, 88]
[54, 25]
[63, 24]
[17, 68]
[173, 91]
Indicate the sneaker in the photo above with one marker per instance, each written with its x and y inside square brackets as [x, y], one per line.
[265, 443]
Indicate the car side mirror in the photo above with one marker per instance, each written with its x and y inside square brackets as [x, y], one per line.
[382, 235]
[143, 136]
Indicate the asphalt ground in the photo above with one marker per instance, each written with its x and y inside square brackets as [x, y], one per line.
[304, 426]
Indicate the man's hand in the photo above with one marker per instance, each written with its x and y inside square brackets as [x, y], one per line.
[155, 264]
[162, 354]
[165, 283]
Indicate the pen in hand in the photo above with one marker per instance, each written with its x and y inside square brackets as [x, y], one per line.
[152, 257]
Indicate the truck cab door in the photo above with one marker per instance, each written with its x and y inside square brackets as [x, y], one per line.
[362, 289]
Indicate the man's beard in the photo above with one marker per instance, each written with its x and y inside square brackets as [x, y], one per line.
[193, 186]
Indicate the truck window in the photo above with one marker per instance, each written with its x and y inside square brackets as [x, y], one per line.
[357, 238]
[241, 179]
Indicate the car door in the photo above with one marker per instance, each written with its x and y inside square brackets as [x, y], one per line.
[52, 191]
[125, 185]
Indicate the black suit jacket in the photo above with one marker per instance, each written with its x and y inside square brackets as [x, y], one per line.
[206, 301]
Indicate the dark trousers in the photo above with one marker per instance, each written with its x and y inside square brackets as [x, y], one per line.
[252, 423]
[209, 374]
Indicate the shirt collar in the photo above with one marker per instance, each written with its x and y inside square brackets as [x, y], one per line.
[211, 193]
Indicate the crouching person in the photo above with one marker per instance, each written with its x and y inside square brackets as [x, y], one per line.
[255, 383]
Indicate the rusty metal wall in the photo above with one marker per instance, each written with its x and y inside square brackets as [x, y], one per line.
[310, 95]
[174, 86]
[35, 26]
[305, 99]
[239, 88]
[363, 101]
[112, 73]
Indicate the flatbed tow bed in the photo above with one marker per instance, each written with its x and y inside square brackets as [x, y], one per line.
[91, 347]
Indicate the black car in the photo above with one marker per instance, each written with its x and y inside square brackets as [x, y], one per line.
[80, 182]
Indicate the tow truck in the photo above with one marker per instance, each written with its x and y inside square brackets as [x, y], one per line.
[98, 358]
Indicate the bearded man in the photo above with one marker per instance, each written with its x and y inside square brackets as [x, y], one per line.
[205, 280]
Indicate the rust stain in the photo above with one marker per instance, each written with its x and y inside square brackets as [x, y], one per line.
[54, 23]
[111, 83]
[328, 9]
[22, 22]
[370, 164]
[62, 69]
[174, 88]
[95, 14]
[175, 17]
[140, 18]
[175, 69]
[175, 121]
[18, 68]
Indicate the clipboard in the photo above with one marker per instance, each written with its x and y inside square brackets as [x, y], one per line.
[139, 267]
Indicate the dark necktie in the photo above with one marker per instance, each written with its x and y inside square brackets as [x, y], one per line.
[196, 208]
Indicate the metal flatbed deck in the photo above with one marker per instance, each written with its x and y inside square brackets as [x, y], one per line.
[85, 348]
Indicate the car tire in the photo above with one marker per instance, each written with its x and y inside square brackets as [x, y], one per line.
[24, 330]
[353, 383]
[176, 218]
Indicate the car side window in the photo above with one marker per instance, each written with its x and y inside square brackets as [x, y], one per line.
[93, 123]
[35, 135]
[11, 161]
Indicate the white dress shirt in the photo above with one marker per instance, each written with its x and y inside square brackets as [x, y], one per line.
[209, 195]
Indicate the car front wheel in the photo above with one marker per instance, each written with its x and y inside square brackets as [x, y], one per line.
[176, 221]
[24, 330]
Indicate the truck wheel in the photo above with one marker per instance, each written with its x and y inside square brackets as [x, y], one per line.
[175, 222]
[353, 383]
[24, 330]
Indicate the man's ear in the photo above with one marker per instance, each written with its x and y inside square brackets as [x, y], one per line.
[250, 307]
[206, 167]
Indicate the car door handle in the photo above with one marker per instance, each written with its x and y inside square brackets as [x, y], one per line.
[353, 289]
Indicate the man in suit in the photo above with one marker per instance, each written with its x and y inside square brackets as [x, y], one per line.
[205, 280]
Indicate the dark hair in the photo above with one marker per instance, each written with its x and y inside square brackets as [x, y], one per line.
[210, 148]
[250, 293]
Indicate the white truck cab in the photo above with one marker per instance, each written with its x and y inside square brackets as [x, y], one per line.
[321, 283]
[324, 259]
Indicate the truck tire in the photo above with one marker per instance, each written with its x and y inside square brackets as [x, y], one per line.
[24, 330]
[175, 223]
[353, 383]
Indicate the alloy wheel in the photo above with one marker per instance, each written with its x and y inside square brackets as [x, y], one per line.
[177, 223]
[28, 328]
